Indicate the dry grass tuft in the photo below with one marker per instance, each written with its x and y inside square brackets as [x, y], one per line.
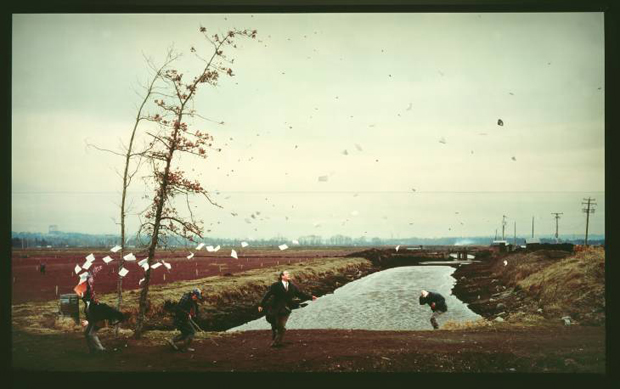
[478, 323]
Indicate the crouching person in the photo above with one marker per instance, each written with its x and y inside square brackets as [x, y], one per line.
[186, 309]
[437, 304]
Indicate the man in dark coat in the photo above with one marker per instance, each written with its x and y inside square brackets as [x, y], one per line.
[283, 291]
[437, 304]
[186, 309]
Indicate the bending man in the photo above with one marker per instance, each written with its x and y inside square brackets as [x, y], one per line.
[437, 304]
[283, 291]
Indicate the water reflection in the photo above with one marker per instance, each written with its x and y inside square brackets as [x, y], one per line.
[386, 300]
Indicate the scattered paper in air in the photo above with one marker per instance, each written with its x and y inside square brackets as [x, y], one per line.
[86, 265]
[397, 247]
[283, 247]
[142, 262]
[156, 265]
[141, 281]
[83, 277]
[123, 272]
[168, 266]
[358, 147]
[216, 248]
[244, 244]
[200, 246]
[233, 254]
[77, 269]
[295, 241]
[145, 266]
[210, 249]
[115, 248]
[90, 257]
[129, 257]
[190, 256]
[323, 178]
[505, 262]
[107, 259]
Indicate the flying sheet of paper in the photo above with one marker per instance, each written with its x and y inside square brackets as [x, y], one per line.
[90, 257]
[107, 259]
[216, 248]
[83, 277]
[115, 248]
[397, 247]
[168, 266]
[233, 254]
[86, 265]
[244, 244]
[200, 246]
[295, 241]
[210, 249]
[141, 281]
[77, 269]
[123, 272]
[145, 266]
[142, 262]
[283, 247]
[190, 256]
[129, 257]
[156, 265]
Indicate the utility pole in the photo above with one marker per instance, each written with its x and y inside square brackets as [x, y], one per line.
[503, 225]
[514, 241]
[557, 217]
[532, 227]
[588, 211]
[495, 234]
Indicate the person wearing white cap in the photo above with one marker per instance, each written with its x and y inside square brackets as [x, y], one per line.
[186, 309]
[283, 291]
[437, 304]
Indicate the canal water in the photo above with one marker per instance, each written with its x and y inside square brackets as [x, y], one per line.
[386, 300]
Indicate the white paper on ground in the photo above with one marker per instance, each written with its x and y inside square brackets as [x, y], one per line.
[283, 247]
[397, 247]
[190, 256]
[200, 246]
[77, 269]
[115, 248]
[156, 265]
[233, 254]
[107, 259]
[90, 257]
[123, 272]
[244, 244]
[505, 263]
[129, 257]
[216, 248]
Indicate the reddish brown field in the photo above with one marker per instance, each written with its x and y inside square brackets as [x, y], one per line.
[28, 284]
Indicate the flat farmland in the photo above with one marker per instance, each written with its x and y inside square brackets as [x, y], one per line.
[29, 284]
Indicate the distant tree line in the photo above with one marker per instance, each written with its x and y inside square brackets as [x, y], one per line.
[74, 239]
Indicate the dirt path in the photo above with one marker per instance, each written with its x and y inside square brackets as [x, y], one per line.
[507, 349]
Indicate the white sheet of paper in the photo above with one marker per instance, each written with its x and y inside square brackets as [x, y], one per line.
[168, 266]
[295, 241]
[107, 259]
[77, 269]
[142, 262]
[210, 249]
[244, 244]
[216, 248]
[83, 277]
[190, 256]
[129, 257]
[200, 246]
[141, 281]
[233, 254]
[86, 265]
[283, 247]
[397, 247]
[156, 265]
[123, 272]
[90, 257]
[115, 248]
[505, 263]
[145, 266]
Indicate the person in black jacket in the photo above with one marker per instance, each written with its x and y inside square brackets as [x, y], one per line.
[280, 308]
[186, 309]
[437, 304]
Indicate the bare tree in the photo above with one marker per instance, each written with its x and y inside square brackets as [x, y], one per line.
[173, 137]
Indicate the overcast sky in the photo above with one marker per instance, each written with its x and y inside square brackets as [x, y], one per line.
[399, 112]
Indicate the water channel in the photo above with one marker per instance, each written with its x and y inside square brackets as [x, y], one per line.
[386, 300]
